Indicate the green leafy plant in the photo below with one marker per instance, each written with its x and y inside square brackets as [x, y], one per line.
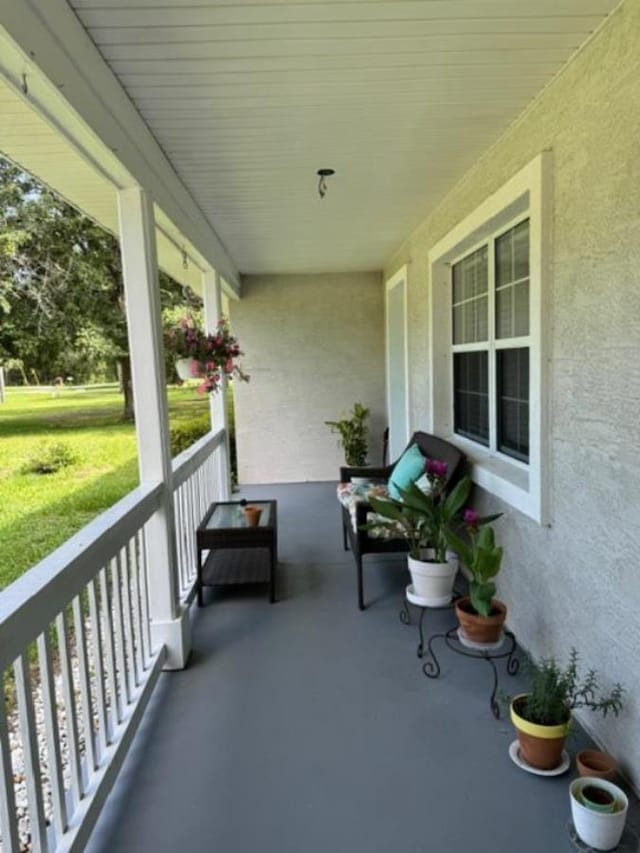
[425, 520]
[184, 435]
[49, 458]
[353, 434]
[481, 556]
[554, 692]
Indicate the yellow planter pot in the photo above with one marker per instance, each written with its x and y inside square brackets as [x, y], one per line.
[540, 746]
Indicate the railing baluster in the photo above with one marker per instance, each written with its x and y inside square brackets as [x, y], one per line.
[97, 649]
[68, 696]
[128, 626]
[121, 666]
[31, 753]
[85, 685]
[8, 822]
[144, 601]
[52, 733]
[180, 532]
[106, 607]
[135, 608]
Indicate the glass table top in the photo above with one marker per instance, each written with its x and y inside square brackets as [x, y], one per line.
[232, 515]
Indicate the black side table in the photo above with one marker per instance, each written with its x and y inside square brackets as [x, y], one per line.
[238, 553]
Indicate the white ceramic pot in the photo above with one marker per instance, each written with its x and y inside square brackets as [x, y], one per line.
[597, 829]
[184, 368]
[433, 582]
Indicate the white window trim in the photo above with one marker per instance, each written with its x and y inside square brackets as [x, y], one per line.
[527, 193]
[399, 278]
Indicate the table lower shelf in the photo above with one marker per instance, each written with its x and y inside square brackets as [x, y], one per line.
[237, 566]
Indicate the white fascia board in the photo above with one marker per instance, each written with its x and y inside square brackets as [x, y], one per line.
[90, 107]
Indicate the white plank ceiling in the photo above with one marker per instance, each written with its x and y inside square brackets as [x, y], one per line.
[400, 97]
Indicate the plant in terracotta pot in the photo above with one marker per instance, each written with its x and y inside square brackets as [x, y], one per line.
[424, 519]
[353, 438]
[480, 615]
[542, 716]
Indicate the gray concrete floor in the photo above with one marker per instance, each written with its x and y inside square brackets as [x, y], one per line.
[307, 726]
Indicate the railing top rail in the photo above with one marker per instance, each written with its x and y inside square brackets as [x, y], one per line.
[33, 601]
[192, 458]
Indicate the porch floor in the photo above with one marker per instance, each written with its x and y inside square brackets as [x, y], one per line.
[307, 726]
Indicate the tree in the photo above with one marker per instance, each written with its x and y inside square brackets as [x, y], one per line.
[62, 302]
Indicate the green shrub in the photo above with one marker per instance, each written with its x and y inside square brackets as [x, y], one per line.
[183, 435]
[49, 458]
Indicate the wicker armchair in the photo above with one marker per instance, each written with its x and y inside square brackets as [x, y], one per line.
[357, 539]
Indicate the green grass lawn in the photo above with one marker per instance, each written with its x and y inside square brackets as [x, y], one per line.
[39, 511]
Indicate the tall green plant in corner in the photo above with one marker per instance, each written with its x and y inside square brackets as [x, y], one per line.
[353, 435]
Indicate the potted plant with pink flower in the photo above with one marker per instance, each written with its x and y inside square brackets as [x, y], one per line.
[481, 616]
[211, 358]
[424, 518]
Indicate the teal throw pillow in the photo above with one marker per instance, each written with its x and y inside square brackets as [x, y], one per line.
[410, 468]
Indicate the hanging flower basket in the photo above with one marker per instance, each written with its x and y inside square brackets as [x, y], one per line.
[210, 358]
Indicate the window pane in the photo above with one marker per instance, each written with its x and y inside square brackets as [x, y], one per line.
[471, 275]
[512, 282]
[512, 367]
[471, 395]
[512, 310]
[470, 298]
[521, 251]
[512, 254]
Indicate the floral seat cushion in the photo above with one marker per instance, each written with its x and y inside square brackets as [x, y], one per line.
[351, 494]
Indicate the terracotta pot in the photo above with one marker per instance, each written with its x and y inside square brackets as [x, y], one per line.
[540, 746]
[481, 629]
[597, 765]
[252, 515]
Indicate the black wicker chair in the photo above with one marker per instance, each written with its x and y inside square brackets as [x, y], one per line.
[358, 540]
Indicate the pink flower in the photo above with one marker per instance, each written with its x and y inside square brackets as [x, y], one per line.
[471, 518]
[436, 469]
[194, 368]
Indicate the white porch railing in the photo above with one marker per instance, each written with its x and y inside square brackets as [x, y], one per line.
[197, 482]
[77, 660]
[74, 635]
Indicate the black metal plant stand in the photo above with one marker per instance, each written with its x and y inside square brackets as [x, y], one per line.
[431, 666]
[405, 615]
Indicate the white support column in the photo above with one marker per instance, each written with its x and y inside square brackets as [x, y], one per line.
[212, 291]
[169, 622]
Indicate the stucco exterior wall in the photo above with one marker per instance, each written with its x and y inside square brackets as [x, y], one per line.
[314, 346]
[577, 582]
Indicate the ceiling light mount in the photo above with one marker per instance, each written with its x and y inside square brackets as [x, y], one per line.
[323, 174]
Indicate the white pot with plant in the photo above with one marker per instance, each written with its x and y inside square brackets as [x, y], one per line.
[210, 358]
[425, 519]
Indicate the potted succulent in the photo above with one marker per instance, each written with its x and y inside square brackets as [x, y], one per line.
[424, 519]
[542, 716]
[481, 616]
[211, 358]
[352, 432]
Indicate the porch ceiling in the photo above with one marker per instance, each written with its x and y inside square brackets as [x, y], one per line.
[400, 97]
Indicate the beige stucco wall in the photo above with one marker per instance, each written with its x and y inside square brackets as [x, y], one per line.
[576, 583]
[314, 346]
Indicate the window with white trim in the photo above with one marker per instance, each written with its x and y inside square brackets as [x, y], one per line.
[490, 342]
[488, 338]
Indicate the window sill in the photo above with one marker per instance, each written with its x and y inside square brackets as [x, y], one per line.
[509, 481]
